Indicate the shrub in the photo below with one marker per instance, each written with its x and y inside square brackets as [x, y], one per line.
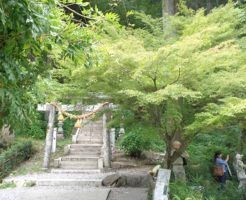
[12, 157]
[36, 127]
[181, 191]
[68, 127]
[133, 144]
[139, 138]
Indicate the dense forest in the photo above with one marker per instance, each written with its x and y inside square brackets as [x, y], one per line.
[176, 69]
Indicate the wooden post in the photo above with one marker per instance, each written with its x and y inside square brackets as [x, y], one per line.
[49, 137]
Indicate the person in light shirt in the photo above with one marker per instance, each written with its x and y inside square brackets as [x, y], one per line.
[240, 169]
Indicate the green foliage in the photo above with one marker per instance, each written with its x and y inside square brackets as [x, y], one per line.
[201, 162]
[181, 191]
[35, 36]
[7, 185]
[35, 129]
[121, 7]
[208, 191]
[231, 111]
[68, 127]
[139, 137]
[133, 144]
[191, 83]
[12, 157]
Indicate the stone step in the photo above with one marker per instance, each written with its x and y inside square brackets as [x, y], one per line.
[85, 167]
[76, 171]
[97, 126]
[93, 138]
[80, 158]
[69, 182]
[91, 129]
[86, 146]
[94, 122]
[83, 141]
[93, 125]
[85, 149]
[98, 134]
[88, 164]
[85, 153]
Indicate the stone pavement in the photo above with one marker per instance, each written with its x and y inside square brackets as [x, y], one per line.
[73, 193]
[128, 194]
[71, 186]
[54, 193]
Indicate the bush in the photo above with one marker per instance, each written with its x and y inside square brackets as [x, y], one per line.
[133, 144]
[68, 127]
[181, 191]
[208, 191]
[12, 157]
[139, 138]
[36, 127]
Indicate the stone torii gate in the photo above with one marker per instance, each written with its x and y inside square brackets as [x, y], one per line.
[51, 108]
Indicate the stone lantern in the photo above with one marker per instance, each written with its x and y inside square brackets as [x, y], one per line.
[60, 131]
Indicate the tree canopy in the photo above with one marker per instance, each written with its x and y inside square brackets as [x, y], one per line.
[182, 81]
[180, 74]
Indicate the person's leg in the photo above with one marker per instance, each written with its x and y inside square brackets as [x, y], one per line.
[222, 181]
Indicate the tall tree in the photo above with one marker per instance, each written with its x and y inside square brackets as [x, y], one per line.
[34, 36]
[169, 7]
[169, 87]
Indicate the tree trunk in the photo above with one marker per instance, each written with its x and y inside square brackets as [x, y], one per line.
[209, 5]
[168, 163]
[242, 140]
[170, 158]
[169, 7]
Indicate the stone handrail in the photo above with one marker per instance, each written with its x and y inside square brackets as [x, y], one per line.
[161, 191]
[106, 144]
[75, 136]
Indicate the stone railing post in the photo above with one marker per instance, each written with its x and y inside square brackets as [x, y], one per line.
[54, 140]
[75, 136]
[49, 137]
[112, 139]
[106, 144]
[161, 191]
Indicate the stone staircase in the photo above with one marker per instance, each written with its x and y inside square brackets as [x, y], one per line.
[86, 151]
